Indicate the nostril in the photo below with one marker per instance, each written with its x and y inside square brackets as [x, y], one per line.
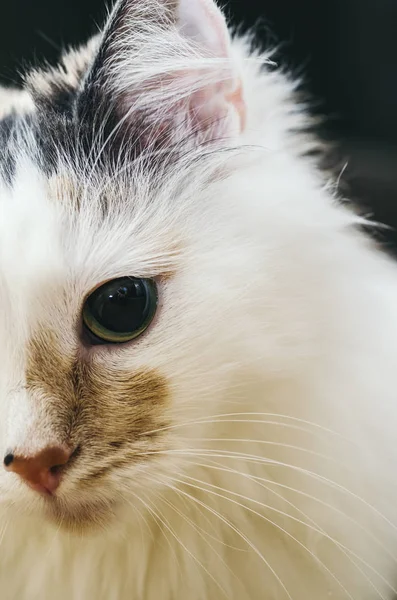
[56, 469]
[8, 460]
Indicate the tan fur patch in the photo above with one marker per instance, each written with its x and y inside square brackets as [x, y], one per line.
[103, 411]
[69, 73]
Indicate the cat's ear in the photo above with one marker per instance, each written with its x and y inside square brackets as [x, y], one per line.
[165, 68]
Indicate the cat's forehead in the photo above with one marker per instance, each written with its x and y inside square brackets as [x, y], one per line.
[65, 234]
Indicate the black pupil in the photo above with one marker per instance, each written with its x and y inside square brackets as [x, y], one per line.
[121, 306]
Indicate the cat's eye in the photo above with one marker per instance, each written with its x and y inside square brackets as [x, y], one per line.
[120, 310]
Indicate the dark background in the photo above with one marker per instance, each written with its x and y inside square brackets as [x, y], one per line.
[345, 49]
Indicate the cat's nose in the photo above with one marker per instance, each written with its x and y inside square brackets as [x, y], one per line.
[42, 471]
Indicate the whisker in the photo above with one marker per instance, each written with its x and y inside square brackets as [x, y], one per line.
[203, 452]
[203, 535]
[206, 533]
[3, 531]
[221, 418]
[141, 518]
[348, 552]
[282, 513]
[236, 530]
[159, 520]
[270, 443]
[180, 542]
[282, 529]
[261, 482]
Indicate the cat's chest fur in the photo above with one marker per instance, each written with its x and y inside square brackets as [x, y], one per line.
[171, 560]
[162, 557]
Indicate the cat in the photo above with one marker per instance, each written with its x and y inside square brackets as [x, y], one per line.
[199, 343]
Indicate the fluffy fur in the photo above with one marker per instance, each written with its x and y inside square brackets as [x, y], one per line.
[243, 448]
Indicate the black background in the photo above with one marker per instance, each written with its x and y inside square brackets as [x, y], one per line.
[345, 49]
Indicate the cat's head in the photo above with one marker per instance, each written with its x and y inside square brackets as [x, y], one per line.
[129, 279]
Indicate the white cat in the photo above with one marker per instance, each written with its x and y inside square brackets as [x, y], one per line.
[199, 346]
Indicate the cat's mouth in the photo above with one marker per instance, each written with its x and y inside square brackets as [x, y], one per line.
[80, 516]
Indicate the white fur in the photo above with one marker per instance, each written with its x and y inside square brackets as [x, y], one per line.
[14, 100]
[278, 334]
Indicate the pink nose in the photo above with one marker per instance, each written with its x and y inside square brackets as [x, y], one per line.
[43, 471]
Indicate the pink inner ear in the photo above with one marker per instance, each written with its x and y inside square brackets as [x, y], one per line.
[218, 111]
[236, 99]
[203, 22]
[177, 81]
